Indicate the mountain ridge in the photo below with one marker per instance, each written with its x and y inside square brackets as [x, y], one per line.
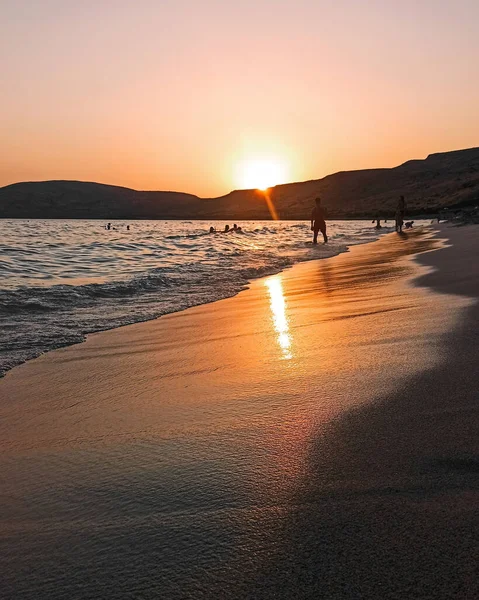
[443, 179]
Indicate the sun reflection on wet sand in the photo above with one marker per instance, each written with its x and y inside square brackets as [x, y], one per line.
[278, 310]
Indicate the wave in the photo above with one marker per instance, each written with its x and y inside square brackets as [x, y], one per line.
[196, 268]
[61, 315]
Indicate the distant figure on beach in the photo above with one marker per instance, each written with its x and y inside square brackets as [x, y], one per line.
[318, 222]
[128, 228]
[378, 224]
[108, 226]
[408, 224]
[400, 211]
[227, 228]
[212, 230]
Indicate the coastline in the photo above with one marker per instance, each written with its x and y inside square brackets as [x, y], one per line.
[314, 434]
[91, 287]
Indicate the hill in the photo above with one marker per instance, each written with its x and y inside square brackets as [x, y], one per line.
[85, 200]
[449, 179]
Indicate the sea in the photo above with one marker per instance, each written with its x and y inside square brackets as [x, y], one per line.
[63, 279]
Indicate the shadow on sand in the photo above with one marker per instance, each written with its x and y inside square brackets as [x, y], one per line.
[387, 508]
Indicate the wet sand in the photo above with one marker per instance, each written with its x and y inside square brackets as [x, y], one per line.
[317, 436]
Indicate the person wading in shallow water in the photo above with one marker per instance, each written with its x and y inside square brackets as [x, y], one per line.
[400, 212]
[317, 222]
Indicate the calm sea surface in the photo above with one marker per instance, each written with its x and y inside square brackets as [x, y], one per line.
[62, 279]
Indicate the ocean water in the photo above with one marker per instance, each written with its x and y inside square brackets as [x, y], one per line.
[62, 279]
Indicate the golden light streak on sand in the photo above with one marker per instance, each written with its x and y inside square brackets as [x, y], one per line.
[278, 311]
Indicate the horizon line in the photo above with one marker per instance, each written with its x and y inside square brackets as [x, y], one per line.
[157, 191]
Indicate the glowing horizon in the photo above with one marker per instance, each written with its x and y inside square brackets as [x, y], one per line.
[202, 88]
[262, 173]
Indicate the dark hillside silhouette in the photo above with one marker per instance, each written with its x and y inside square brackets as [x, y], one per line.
[449, 179]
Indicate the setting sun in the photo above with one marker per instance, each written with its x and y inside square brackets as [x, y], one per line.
[261, 173]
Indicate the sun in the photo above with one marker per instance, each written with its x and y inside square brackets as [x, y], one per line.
[261, 173]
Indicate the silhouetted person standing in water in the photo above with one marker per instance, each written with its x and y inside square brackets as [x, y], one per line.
[400, 212]
[318, 222]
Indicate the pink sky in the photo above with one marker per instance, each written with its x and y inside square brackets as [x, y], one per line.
[174, 94]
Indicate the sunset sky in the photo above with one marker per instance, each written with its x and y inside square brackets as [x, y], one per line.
[181, 94]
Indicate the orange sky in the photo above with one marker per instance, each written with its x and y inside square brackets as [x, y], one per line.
[174, 95]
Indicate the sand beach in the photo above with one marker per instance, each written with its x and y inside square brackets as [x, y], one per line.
[315, 436]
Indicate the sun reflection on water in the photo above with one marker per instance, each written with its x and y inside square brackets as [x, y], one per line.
[278, 310]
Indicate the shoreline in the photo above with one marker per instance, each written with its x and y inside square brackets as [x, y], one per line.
[425, 257]
[313, 436]
[53, 295]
